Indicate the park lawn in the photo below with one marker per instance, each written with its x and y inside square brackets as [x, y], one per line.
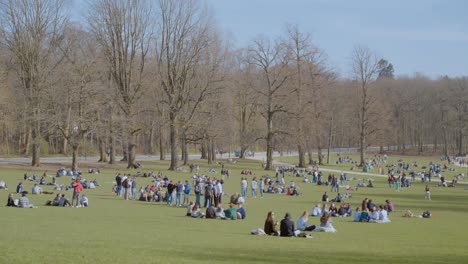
[112, 230]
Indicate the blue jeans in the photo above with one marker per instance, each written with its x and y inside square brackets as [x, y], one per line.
[119, 190]
[197, 199]
[178, 201]
[254, 193]
[133, 193]
[261, 192]
[207, 201]
[244, 192]
[169, 199]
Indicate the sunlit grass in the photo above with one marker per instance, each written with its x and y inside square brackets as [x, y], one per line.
[112, 230]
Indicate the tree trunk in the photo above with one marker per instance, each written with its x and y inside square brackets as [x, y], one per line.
[184, 148]
[309, 155]
[111, 141]
[330, 137]
[204, 154]
[102, 150]
[35, 136]
[173, 139]
[213, 150]
[210, 153]
[151, 140]
[319, 153]
[131, 145]
[301, 152]
[243, 149]
[74, 157]
[269, 157]
[162, 155]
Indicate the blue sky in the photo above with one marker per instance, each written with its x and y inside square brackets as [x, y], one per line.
[426, 36]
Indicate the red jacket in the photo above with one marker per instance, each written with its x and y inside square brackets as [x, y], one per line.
[77, 187]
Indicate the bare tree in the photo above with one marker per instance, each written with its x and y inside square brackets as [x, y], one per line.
[185, 68]
[32, 31]
[122, 28]
[365, 66]
[77, 114]
[271, 60]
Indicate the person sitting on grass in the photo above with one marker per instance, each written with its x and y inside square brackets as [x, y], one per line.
[189, 209]
[316, 211]
[220, 212]
[55, 201]
[231, 212]
[24, 202]
[364, 216]
[270, 225]
[196, 212]
[64, 202]
[303, 223]
[357, 215]
[84, 201]
[36, 189]
[383, 215]
[241, 212]
[325, 224]
[11, 201]
[333, 211]
[287, 226]
[210, 212]
[374, 216]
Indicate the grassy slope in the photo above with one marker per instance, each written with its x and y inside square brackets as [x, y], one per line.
[116, 231]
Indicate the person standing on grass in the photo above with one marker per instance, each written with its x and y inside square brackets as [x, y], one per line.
[243, 184]
[219, 192]
[186, 192]
[208, 193]
[262, 187]
[428, 193]
[179, 190]
[77, 189]
[198, 189]
[253, 186]
[118, 180]
[170, 190]
[134, 187]
[398, 184]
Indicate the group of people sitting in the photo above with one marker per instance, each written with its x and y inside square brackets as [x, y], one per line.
[343, 211]
[61, 201]
[287, 228]
[217, 212]
[369, 212]
[22, 202]
[375, 215]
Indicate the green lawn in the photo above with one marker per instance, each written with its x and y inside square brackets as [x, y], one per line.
[112, 230]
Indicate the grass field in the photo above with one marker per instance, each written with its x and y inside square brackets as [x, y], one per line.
[113, 230]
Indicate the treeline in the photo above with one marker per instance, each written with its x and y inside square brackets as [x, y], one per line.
[158, 77]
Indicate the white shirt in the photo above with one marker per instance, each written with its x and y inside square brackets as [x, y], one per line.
[219, 188]
[84, 200]
[244, 183]
[254, 185]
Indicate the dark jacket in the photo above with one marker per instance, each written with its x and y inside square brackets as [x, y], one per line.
[287, 228]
